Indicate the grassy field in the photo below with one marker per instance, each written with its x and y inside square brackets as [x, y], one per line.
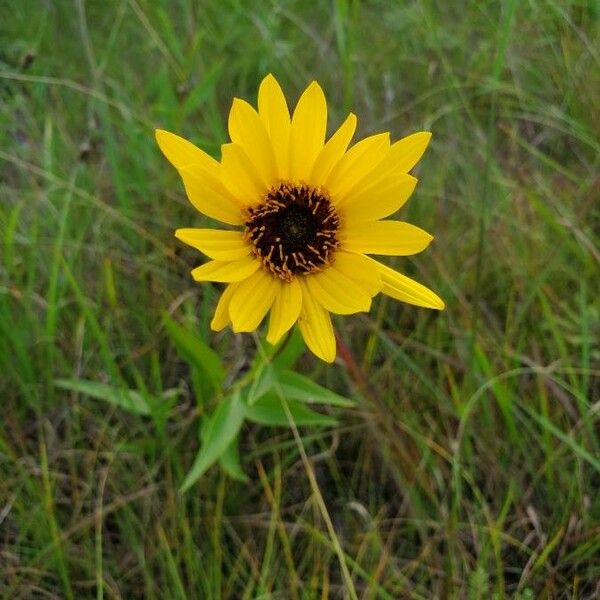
[470, 467]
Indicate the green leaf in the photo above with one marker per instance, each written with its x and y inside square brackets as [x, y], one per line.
[299, 387]
[269, 410]
[221, 429]
[230, 461]
[194, 351]
[293, 348]
[263, 382]
[129, 400]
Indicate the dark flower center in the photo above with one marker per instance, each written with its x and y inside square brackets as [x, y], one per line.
[293, 231]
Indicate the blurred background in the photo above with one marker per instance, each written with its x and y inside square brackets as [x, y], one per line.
[470, 467]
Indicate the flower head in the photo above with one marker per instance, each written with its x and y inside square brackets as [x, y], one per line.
[306, 213]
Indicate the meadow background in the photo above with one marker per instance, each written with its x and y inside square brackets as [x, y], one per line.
[470, 467]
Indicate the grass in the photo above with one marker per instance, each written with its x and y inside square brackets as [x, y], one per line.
[470, 468]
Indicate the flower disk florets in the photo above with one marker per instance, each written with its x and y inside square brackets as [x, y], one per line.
[294, 230]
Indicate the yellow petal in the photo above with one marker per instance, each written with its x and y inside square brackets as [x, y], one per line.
[285, 310]
[215, 243]
[221, 318]
[377, 198]
[333, 151]
[360, 269]
[239, 175]
[201, 178]
[181, 153]
[274, 113]
[405, 153]
[315, 326]
[307, 134]
[251, 301]
[337, 293]
[248, 131]
[403, 288]
[402, 156]
[226, 271]
[356, 164]
[208, 196]
[391, 238]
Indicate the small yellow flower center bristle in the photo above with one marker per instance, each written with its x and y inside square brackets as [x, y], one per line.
[293, 231]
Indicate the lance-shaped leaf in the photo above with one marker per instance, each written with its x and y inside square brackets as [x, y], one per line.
[298, 387]
[196, 353]
[129, 400]
[230, 461]
[222, 428]
[269, 410]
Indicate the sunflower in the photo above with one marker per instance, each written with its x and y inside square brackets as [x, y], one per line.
[306, 214]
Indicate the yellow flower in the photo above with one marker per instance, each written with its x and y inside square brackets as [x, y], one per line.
[307, 212]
